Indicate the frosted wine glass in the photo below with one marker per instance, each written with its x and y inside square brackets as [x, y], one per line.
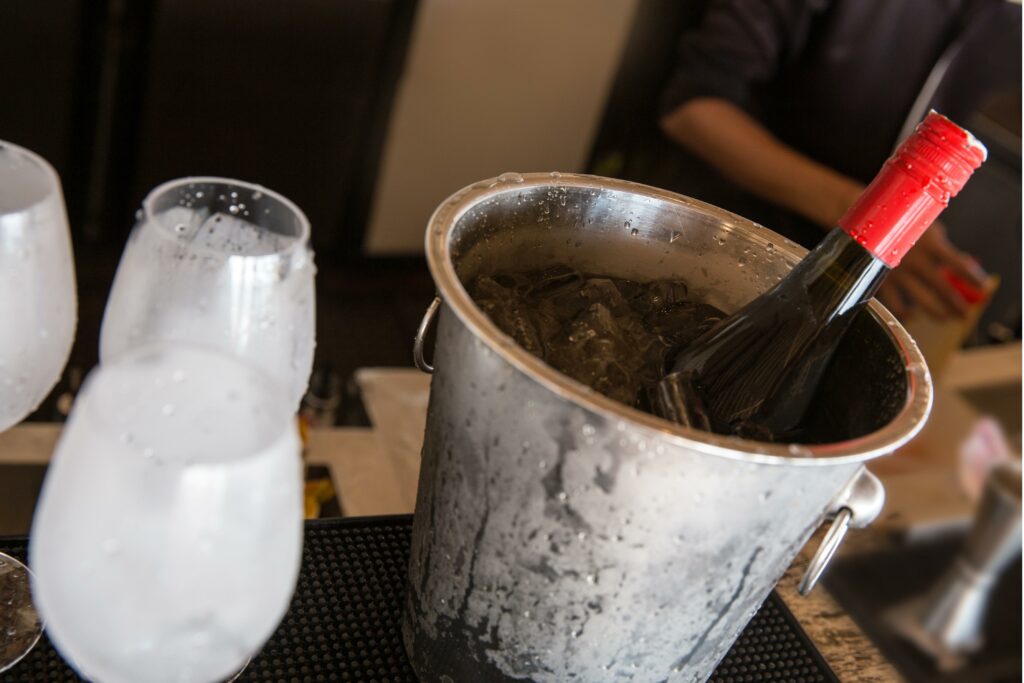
[37, 327]
[167, 539]
[37, 283]
[222, 263]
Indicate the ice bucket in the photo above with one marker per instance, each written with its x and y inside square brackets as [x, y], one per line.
[560, 535]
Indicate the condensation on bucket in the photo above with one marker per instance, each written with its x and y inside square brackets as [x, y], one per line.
[561, 535]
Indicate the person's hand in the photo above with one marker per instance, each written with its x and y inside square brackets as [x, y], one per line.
[919, 283]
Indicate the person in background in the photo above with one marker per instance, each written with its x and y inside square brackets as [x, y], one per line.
[790, 106]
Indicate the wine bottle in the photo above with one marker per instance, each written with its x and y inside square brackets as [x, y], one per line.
[754, 373]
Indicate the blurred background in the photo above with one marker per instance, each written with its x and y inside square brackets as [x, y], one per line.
[368, 113]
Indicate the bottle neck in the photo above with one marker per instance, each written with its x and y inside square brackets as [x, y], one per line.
[838, 276]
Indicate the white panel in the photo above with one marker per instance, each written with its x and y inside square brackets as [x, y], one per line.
[492, 86]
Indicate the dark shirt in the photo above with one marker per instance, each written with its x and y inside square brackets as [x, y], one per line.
[834, 80]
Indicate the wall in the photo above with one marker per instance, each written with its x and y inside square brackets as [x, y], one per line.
[492, 86]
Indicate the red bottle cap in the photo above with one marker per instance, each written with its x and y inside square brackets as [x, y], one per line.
[913, 188]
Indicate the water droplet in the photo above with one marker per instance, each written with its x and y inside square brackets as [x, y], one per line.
[178, 376]
[180, 228]
[577, 633]
[257, 195]
[110, 546]
[234, 195]
[555, 174]
[672, 238]
[582, 535]
[199, 194]
[765, 495]
[526, 613]
[127, 438]
[168, 409]
[798, 451]
[591, 579]
[233, 208]
[510, 178]
[563, 496]
[634, 232]
[770, 248]
[148, 453]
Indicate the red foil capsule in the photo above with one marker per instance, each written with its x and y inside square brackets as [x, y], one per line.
[913, 188]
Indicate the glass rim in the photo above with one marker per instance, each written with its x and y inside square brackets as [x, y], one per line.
[274, 389]
[301, 240]
[51, 174]
[40, 625]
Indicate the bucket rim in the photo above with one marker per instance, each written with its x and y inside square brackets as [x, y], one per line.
[910, 419]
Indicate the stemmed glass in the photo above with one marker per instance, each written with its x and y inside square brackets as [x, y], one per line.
[37, 327]
[223, 263]
[167, 539]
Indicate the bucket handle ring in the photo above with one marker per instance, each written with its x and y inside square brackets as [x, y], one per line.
[856, 506]
[421, 334]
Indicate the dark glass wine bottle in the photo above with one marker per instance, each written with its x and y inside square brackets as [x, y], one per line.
[754, 373]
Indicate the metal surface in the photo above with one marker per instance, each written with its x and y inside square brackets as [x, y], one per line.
[946, 623]
[559, 534]
[858, 505]
[829, 545]
[421, 334]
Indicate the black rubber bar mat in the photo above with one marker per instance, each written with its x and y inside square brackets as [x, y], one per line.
[344, 621]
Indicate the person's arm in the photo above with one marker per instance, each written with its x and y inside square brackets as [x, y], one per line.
[745, 152]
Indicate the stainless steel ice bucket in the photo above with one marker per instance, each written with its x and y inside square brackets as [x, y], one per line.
[560, 535]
